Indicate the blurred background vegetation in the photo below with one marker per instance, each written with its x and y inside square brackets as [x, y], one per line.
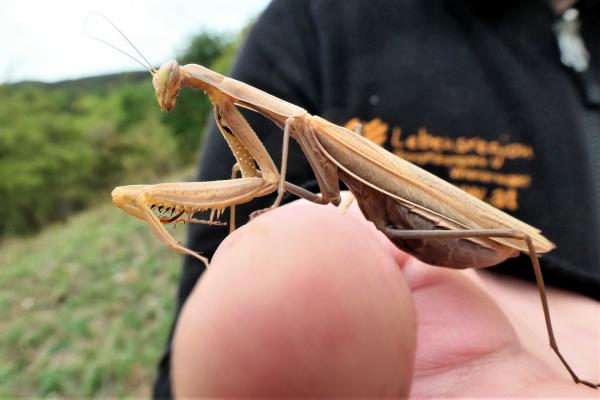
[87, 293]
[63, 145]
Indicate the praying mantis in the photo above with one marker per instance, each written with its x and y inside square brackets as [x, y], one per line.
[419, 212]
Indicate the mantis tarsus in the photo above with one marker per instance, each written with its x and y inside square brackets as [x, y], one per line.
[419, 212]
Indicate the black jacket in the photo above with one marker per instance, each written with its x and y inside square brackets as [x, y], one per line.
[475, 94]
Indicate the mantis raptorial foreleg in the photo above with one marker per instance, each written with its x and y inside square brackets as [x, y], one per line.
[182, 200]
[247, 149]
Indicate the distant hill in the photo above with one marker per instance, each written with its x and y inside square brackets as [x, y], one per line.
[99, 83]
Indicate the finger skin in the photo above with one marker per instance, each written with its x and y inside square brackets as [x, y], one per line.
[468, 348]
[302, 301]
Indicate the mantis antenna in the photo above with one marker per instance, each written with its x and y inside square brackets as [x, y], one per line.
[146, 66]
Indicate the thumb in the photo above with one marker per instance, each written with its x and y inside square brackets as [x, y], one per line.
[300, 301]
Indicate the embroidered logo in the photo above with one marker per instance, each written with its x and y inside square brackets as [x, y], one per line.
[473, 164]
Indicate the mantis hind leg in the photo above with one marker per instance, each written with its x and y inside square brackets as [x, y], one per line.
[508, 233]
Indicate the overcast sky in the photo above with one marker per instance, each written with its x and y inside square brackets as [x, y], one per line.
[43, 40]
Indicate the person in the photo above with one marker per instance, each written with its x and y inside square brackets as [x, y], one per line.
[305, 300]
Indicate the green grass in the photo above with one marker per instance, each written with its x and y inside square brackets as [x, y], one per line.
[85, 307]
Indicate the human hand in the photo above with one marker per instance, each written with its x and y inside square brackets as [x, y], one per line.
[304, 301]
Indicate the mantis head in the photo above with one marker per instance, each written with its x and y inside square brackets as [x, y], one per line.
[167, 82]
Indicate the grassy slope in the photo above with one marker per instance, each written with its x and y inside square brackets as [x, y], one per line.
[85, 307]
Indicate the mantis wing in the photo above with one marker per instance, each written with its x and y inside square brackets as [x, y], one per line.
[412, 185]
